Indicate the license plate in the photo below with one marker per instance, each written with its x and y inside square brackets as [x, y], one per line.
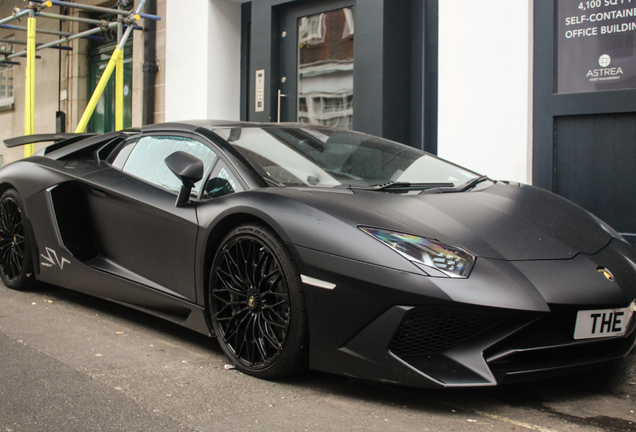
[602, 323]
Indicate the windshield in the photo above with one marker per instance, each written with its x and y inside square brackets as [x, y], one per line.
[310, 156]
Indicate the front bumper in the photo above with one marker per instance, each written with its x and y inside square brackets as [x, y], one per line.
[496, 326]
[498, 346]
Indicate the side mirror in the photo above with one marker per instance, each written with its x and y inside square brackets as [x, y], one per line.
[189, 169]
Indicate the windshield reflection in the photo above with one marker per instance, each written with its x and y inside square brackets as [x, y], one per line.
[323, 157]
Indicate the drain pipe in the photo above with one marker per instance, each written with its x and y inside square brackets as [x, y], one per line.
[150, 67]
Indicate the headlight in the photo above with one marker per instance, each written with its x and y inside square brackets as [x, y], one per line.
[453, 261]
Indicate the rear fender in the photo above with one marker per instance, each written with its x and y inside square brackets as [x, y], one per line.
[31, 181]
[29, 178]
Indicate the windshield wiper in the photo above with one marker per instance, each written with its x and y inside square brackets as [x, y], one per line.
[400, 186]
[463, 187]
[471, 183]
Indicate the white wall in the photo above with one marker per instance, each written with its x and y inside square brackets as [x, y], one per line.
[203, 45]
[485, 86]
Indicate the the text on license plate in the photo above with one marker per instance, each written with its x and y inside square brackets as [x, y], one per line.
[601, 323]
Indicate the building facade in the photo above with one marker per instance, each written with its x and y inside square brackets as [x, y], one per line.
[65, 78]
[453, 77]
[493, 85]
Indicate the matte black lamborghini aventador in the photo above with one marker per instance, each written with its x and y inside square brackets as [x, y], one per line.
[302, 246]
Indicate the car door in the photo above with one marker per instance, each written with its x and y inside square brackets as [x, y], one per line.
[141, 234]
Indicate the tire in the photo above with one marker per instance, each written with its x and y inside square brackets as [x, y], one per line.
[256, 304]
[16, 260]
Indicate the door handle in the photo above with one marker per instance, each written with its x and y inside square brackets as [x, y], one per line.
[280, 96]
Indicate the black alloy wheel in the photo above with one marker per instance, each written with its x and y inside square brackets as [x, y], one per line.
[256, 304]
[15, 253]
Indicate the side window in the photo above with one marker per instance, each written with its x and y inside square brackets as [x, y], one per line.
[221, 182]
[120, 158]
[146, 160]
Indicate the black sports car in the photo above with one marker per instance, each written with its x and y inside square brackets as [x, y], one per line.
[303, 246]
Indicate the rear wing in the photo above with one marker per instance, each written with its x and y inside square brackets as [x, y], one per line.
[68, 138]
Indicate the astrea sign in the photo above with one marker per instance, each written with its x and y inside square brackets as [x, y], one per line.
[596, 45]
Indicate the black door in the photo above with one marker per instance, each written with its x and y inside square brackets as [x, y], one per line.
[316, 64]
[347, 63]
[595, 159]
[584, 123]
[140, 232]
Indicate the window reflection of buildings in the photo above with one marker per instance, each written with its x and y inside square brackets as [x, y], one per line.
[325, 72]
[6, 78]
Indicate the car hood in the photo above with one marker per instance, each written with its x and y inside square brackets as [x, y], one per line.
[505, 221]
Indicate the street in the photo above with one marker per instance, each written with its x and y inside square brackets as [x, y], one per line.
[69, 362]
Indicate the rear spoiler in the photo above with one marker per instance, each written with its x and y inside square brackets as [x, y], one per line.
[69, 138]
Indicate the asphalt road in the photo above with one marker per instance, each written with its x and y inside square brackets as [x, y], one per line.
[69, 362]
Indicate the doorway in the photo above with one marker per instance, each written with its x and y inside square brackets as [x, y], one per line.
[585, 112]
[346, 63]
[103, 118]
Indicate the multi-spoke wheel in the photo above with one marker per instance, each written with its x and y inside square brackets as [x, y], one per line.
[256, 303]
[15, 251]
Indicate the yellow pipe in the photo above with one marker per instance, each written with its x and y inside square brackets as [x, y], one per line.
[119, 94]
[29, 93]
[101, 85]
[32, 66]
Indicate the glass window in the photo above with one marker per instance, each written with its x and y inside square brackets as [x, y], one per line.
[325, 68]
[121, 154]
[221, 182]
[311, 29]
[325, 157]
[6, 78]
[146, 160]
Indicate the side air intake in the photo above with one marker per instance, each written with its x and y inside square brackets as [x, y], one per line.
[72, 214]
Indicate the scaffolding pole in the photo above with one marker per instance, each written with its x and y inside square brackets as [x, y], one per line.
[119, 76]
[29, 84]
[71, 18]
[66, 39]
[17, 42]
[49, 32]
[14, 16]
[101, 85]
[116, 61]
[101, 9]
